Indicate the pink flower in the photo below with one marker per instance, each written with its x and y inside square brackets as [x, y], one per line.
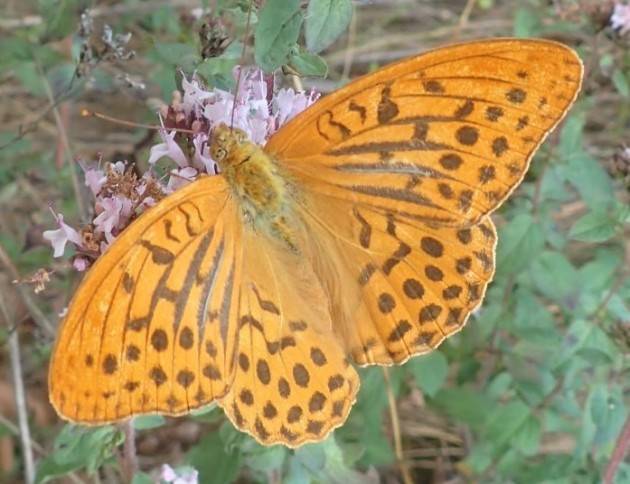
[95, 179]
[113, 213]
[64, 234]
[168, 148]
[80, 263]
[182, 475]
[620, 19]
[180, 178]
[194, 95]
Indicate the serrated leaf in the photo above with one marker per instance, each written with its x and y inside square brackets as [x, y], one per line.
[326, 20]
[307, 64]
[594, 227]
[429, 371]
[276, 33]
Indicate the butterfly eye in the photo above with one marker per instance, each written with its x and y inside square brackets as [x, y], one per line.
[219, 154]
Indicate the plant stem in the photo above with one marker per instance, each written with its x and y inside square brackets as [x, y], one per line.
[393, 412]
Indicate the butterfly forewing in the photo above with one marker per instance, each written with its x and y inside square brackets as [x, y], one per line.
[443, 137]
[148, 330]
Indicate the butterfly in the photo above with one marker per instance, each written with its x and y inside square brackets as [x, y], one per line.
[358, 235]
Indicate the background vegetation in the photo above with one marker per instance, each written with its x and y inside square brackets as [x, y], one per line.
[535, 389]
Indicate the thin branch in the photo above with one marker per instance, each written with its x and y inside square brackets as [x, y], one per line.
[352, 34]
[104, 11]
[20, 397]
[393, 411]
[63, 134]
[621, 449]
[463, 19]
[130, 459]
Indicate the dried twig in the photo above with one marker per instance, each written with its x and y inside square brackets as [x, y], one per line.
[20, 397]
[621, 449]
[129, 463]
[61, 129]
[393, 411]
[37, 315]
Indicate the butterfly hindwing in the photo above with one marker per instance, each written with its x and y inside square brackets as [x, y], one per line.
[148, 330]
[293, 382]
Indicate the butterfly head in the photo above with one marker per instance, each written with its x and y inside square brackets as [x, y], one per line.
[225, 141]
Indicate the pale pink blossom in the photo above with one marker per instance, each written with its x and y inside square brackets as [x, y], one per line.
[201, 157]
[182, 475]
[180, 178]
[95, 179]
[60, 237]
[169, 148]
[194, 95]
[80, 263]
[113, 213]
[620, 19]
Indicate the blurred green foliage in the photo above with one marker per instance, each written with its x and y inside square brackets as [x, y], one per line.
[539, 360]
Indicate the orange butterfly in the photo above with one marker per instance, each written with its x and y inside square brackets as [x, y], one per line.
[359, 234]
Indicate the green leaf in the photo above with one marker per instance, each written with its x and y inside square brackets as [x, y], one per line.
[571, 137]
[591, 181]
[59, 16]
[277, 32]
[465, 404]
[325, 21]
[307, 64]
[145, 422]
[142, 478]
[554, 275]
[178, 54]
[594, 227]
[78, 448]
[620, 81]
[505, 421]
[429, 371]
[519, 243]
[527, 437]
[526, 23]
[214, 463]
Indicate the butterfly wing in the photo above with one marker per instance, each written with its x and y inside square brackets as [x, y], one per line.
[399, 171]
[293, 382]
[443, 137]
[149, 328]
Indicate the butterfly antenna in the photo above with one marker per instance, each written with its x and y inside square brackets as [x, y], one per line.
[93, 114]
[240, 69]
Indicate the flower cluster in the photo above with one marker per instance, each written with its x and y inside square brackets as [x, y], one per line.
[620, 19]
[120, 194]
